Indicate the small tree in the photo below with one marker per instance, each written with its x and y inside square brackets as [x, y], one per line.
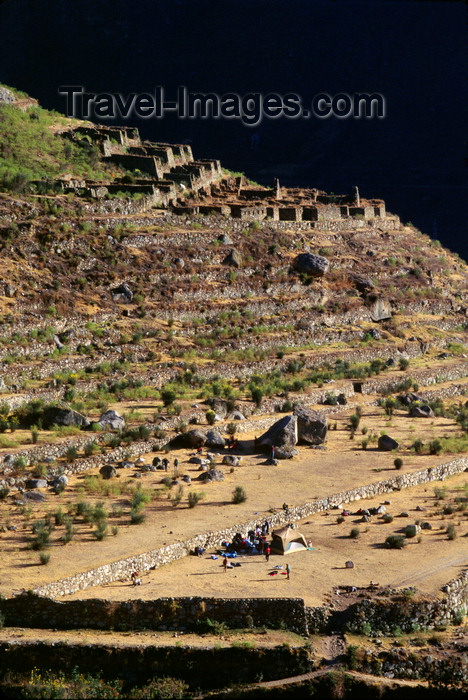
[231, 429]
[257, 395]
[239, 495]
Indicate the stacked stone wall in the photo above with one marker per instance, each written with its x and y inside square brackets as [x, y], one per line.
[205, 667]
[157, 557]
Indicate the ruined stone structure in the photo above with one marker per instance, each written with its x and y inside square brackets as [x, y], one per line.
[168, 176]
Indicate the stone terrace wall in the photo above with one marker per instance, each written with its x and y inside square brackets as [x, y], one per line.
[29, 610]
[204, 667]
[157, 557]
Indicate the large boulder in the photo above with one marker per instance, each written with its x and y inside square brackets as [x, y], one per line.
[381, 310]
[311, 426]
[36, 483]
[189, 440]
[6, 96]
[54, 415]
[236, 415]
[363, 284]
[285, 452]
[111, 419]
[234, 258]
[219, 406]
[225, 239]
[108, 471]
[386, 443]
[421, 412]
[311, 264]
[215, 439]
[122, 293]
[231, 460]
[211, 475]
[283, 433]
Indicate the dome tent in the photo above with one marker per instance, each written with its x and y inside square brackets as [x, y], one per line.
[287, 540]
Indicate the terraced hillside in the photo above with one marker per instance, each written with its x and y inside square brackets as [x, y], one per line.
[147, 299]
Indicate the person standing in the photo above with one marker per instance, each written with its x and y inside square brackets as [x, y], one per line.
[267, 552]
[225, 563]
[288, 571]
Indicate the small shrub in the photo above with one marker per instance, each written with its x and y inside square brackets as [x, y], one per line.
[340, 519]
[210, 417]
[398, 463]
[194, 498]
[101, 530]
[387, 518]
[451, 532]
[137, 516]
[395, 542]
[239, 495]
[355, 532]
[177, 497]
[44, 558]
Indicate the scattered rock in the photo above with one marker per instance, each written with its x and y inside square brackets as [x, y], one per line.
[36, 483]
[60, 481]
[225, 239]
[108, 471]
[34, 496]
[6, 96]
[426, 525]
[234, 258]
[236, 415]
[283, 433]
[211, 475]
[231, 460]
[363, 284]
[311, 426]
[198, 460]
[215, 439]
[58, 342]
[381, 310]
[285, 452]
[387, 444]
[421, 412]
[219, 406]
[111, 419]
[122, 294]
[189, 440]
[53, 415]
[311, 264]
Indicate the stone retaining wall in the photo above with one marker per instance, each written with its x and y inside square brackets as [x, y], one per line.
[205, 667]
[157, 557]
[182, 613]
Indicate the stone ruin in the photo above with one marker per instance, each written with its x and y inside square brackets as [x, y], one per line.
[168, 176]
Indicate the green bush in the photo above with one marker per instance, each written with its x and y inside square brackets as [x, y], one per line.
[44, 558]
[137, 516]
[398, 463]
[451, 532]
[395, 542]
[194, 498]
[239, 495]
[354, 533]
